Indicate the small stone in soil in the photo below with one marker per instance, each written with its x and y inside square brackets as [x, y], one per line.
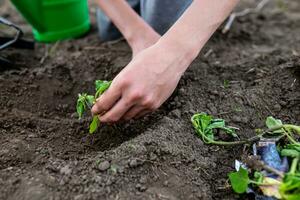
[143, 179]
[66, 170]
[166, 183]
[277, 107]
[133, 163]
[103, 166]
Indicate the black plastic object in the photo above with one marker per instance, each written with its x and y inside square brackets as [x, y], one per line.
[15, 38]
[15, 42]
[20, 43]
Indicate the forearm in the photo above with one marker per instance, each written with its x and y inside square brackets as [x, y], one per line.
[129, 23]
[193, 29]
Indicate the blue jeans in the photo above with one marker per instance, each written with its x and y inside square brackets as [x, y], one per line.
[159, 14]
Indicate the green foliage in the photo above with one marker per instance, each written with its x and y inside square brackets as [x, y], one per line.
[94, 124]
[291, 150]
[239, 180]
[205, 126]
[226, 83]
[258, 177]
[101, 87]
[113, 168]
[289, 186]
[292, 128]
[273, 123]
[85, 101]
[80, 107]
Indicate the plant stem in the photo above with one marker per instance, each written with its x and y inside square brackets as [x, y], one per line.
[273, 170]
[294, 165]
[263, 184]
[250, 140]
[293, 127]
[292, 140]
[254, 163]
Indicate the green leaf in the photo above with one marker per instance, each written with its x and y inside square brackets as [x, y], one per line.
[84, 100]
[290, 127]
[205, 121]
[230, 131]
[90, 100]
[101, 87]
[290, 187]
[220, 124]
[290, 153]
[239, 180]
[200, 122]
[205, 125]
[80, 107]
[216, 123]
[291, 150]
[94, 124]
[271, 123]
[258, 177]
[226, 83]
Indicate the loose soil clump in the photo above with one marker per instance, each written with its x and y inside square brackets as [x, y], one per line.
[46, 153]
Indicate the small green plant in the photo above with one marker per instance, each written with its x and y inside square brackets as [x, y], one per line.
[240, 180]
[287, 130]
[206, 126]
[286, 186]
[86, 101]
[290, 186]
[226, 83]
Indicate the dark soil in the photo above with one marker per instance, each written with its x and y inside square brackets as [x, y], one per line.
[46, 152]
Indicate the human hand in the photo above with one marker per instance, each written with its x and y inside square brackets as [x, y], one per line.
[140, 41]
[143, 85]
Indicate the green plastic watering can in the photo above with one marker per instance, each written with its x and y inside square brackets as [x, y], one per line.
[54, 20]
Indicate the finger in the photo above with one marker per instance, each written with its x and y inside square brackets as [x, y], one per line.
[117, 111]
[132, 112]
[142, 113]
[106, 100]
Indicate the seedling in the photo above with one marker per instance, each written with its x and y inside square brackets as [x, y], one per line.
[240, 180]
[286, 185]
[86, 101]
[206, 126]
[290, 186]
[226, 83]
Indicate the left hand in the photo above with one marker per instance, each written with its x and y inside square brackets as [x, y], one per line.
[142, 86]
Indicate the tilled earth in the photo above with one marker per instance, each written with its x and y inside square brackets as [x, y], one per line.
[46, 152]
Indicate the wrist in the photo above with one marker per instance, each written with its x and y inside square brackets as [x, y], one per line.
[141, 34]
[182, 53]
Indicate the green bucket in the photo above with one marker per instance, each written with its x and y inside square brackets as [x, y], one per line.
[54, 20]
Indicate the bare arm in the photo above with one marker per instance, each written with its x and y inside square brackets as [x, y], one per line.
[135, 30]
[152, 76]
[191, 32]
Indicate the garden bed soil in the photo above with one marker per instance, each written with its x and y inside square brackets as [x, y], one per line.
[47, 153]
